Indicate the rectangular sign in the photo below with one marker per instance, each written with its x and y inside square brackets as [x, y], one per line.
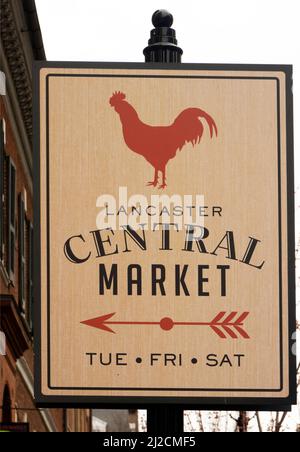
[165, 234]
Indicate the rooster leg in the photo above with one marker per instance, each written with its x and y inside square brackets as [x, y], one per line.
[155, 182]
[164, 180]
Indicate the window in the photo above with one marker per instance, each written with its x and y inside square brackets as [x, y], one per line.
[29, 308]
[7, 208]
[22, 260]
[25, 261]
[6, 406]
[11, 209]
[1, 190]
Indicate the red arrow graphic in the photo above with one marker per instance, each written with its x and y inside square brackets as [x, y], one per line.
[221, 324]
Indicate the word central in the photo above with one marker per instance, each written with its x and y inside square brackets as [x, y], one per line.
[196, 239]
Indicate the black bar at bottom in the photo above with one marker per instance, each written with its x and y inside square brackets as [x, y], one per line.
[162, 420]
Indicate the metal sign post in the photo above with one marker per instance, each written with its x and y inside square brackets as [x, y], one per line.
[163, 48]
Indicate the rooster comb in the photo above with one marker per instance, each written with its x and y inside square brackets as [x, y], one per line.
[116, 98]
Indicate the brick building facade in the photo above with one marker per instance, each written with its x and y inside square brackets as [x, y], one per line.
[21, 43]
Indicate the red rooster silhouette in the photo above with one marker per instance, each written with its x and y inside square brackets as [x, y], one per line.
[159, 144]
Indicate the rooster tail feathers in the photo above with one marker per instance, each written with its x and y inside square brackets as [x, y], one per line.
[211, 123]
[189, 127]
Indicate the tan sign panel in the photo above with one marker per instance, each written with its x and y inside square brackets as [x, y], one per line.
[177, 288]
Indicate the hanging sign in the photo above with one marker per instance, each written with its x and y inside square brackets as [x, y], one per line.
[164, 230]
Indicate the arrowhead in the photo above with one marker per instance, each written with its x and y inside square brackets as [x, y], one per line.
[100, 323]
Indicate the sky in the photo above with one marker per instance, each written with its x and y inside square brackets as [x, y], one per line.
[208, 31]
[214, 31]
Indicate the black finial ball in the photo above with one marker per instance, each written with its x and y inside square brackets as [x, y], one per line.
[162, 18]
